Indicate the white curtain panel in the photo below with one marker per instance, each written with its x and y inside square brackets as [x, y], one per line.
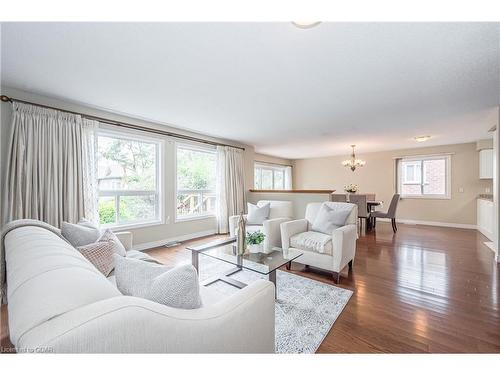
[230, 185]
[49, 166]
[89, 167]
[288, 178]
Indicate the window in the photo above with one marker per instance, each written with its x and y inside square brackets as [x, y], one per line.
[424, 177]
[196, 175]
[128, 179]
[272, 177]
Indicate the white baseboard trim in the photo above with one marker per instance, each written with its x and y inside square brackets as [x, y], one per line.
[185, 237]
[432, 223]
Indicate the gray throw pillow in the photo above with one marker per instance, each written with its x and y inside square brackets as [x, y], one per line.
[177, 288]
[118, 248]
[80, 234]
[257, 215]
[134, 276]
[328, 219]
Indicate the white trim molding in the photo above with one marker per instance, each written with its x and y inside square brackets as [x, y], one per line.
[432, 223]
[149, 245]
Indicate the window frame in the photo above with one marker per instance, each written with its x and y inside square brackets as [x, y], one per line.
[159, 199]
[194, 147]
[422, 182]
[269, 167]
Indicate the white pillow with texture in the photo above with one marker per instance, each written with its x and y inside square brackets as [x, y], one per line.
[329, 219]
[81, 234]
[134, 276]
[118, 248]
[178, 287]
[257, 215]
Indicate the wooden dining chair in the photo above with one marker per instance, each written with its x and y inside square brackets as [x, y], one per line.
[360, 201]
[390, 214]
[338, 197]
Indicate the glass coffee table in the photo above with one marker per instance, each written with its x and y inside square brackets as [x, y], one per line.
[225, 251]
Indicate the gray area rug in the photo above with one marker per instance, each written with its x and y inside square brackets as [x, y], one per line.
[305, 309]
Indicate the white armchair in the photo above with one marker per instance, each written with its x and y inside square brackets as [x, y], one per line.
[280, 212]
[329, 252]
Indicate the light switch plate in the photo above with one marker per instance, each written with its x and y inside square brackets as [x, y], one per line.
[461, 190]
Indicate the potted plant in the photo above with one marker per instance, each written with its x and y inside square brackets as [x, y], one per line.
[254, 241]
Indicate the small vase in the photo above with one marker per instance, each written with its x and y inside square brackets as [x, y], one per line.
[255, 248]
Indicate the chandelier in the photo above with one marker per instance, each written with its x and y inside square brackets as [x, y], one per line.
[353, 163]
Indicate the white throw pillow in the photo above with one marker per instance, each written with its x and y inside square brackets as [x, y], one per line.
[80, 234]
[178, 287]
[118, 248]
[329, 219]
[257, 215]
[134, 276]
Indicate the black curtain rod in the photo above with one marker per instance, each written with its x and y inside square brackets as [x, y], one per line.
[5, 99]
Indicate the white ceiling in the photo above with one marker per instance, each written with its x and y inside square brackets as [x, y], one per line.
[289, 92]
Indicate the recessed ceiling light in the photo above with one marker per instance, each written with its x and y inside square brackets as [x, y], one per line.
[305, 24]
[422, 138]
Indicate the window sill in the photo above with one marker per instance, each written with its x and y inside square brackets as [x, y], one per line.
[122, 227]
[194, 218]
[425, 197]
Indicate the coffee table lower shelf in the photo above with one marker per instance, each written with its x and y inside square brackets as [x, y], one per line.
[225, 277]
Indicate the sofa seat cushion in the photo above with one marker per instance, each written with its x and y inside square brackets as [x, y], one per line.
[312, 241]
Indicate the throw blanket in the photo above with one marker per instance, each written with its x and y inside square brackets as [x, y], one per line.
[8, 228]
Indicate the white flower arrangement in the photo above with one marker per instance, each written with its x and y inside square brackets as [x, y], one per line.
[351, 188]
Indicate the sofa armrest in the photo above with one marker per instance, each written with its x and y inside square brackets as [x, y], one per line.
[126, 239]
[233, 224]
[241, 323]
[344, 245]
[291, 228]
[272, 231]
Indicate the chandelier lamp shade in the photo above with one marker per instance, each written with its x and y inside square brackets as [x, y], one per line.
[353, 163]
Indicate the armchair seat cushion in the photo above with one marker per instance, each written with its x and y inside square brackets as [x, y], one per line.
[312, 241]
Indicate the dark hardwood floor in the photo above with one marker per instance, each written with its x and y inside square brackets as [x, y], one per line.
[421, 290]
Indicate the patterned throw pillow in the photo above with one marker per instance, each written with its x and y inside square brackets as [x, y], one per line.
[80, 234]
[108, 235]
[101, 255]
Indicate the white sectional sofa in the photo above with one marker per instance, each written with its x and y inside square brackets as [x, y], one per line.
[59, 302]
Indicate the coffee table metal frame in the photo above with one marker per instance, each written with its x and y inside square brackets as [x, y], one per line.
[225, 277]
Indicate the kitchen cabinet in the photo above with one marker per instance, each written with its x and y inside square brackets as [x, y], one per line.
[486, 164]
[485, 217]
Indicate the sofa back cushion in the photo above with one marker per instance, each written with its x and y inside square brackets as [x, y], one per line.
[278, 208]
[312, 211]
[47, 277]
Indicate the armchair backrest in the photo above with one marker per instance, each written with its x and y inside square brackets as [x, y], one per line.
[312, 210]
[278, 208]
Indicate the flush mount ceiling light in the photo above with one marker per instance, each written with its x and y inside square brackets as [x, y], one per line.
[422, 138]
[353, 163]
[305, 24]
